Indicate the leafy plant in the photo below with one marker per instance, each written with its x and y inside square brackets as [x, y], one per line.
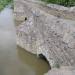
[61, 2]
[3, 3]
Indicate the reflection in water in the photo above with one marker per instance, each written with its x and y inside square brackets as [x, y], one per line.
[39, 66]
[15, 61]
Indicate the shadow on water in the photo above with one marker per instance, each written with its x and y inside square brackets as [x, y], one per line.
[16, 61]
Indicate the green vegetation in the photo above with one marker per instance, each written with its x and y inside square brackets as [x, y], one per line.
[57, 65]
[3, 3]
[61, 2]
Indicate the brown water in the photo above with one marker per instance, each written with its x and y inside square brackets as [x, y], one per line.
[39, 65]
[15, 60]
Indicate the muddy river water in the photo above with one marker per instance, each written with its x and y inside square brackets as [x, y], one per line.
[13, 59]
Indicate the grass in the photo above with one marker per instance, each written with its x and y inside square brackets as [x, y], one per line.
[66, 3]
[3, 3]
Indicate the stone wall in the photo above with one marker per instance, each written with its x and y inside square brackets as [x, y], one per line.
[42, 33]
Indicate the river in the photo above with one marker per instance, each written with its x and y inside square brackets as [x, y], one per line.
[13, 59]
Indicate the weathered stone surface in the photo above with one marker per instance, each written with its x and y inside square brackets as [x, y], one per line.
[58, 7]
[62, 71]
[52, 36]
[61, 8]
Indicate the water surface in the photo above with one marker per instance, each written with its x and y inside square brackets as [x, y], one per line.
[39, 65]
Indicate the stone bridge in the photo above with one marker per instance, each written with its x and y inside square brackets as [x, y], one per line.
[41, 30]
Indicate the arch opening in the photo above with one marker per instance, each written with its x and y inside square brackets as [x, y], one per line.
[41, 56]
